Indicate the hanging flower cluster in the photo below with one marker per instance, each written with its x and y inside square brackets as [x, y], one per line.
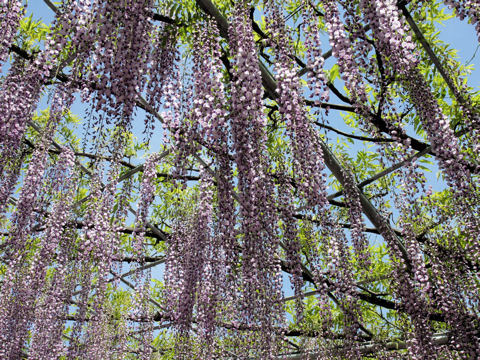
[10, 13]
[352, 199]
[162, 73]
[22, 87]
[78, 24]
[33, 179]
[208, 293]
[261, 281]
[189, 270]
[217, 258]
[121, 55]
[210, 117]
[48, 325]
[454, 304]
[342, 49]
[102, 249]
[20, 91]
[395, 45]
[75, 22]
[9, 179]
[316, 79]
[142, 280]
[396, 49]
[306, 149]
[76, 28]
[211, 112]
[391, 33]
[15, 299]
[416, 291]
[309, 164]
[441, 136]
[192, 267]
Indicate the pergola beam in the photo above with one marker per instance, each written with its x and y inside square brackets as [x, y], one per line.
[370, 348]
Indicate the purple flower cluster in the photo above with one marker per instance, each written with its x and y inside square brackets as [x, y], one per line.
[315, 61]
[10, 174]
[142, 277]
[261, 281]
[306, 150]
[48, 325]
[437, 126]
[352, 199]
[453, 303]
[391, 33]
[121, 55]
[162, 71]
[10, 13]
[207, 260]
[20, 91]
[16, 298]
[342, 49]
[189, 272]
[22, 87]
[310, 178]
[102, 247]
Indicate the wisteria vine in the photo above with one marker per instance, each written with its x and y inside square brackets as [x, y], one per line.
[245, 175]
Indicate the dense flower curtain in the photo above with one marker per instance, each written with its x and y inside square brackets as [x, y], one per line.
[234, 105]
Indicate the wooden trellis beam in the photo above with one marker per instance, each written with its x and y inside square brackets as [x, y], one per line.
[431, 54]
[394, 167]
[384, 172]
[370, 348]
